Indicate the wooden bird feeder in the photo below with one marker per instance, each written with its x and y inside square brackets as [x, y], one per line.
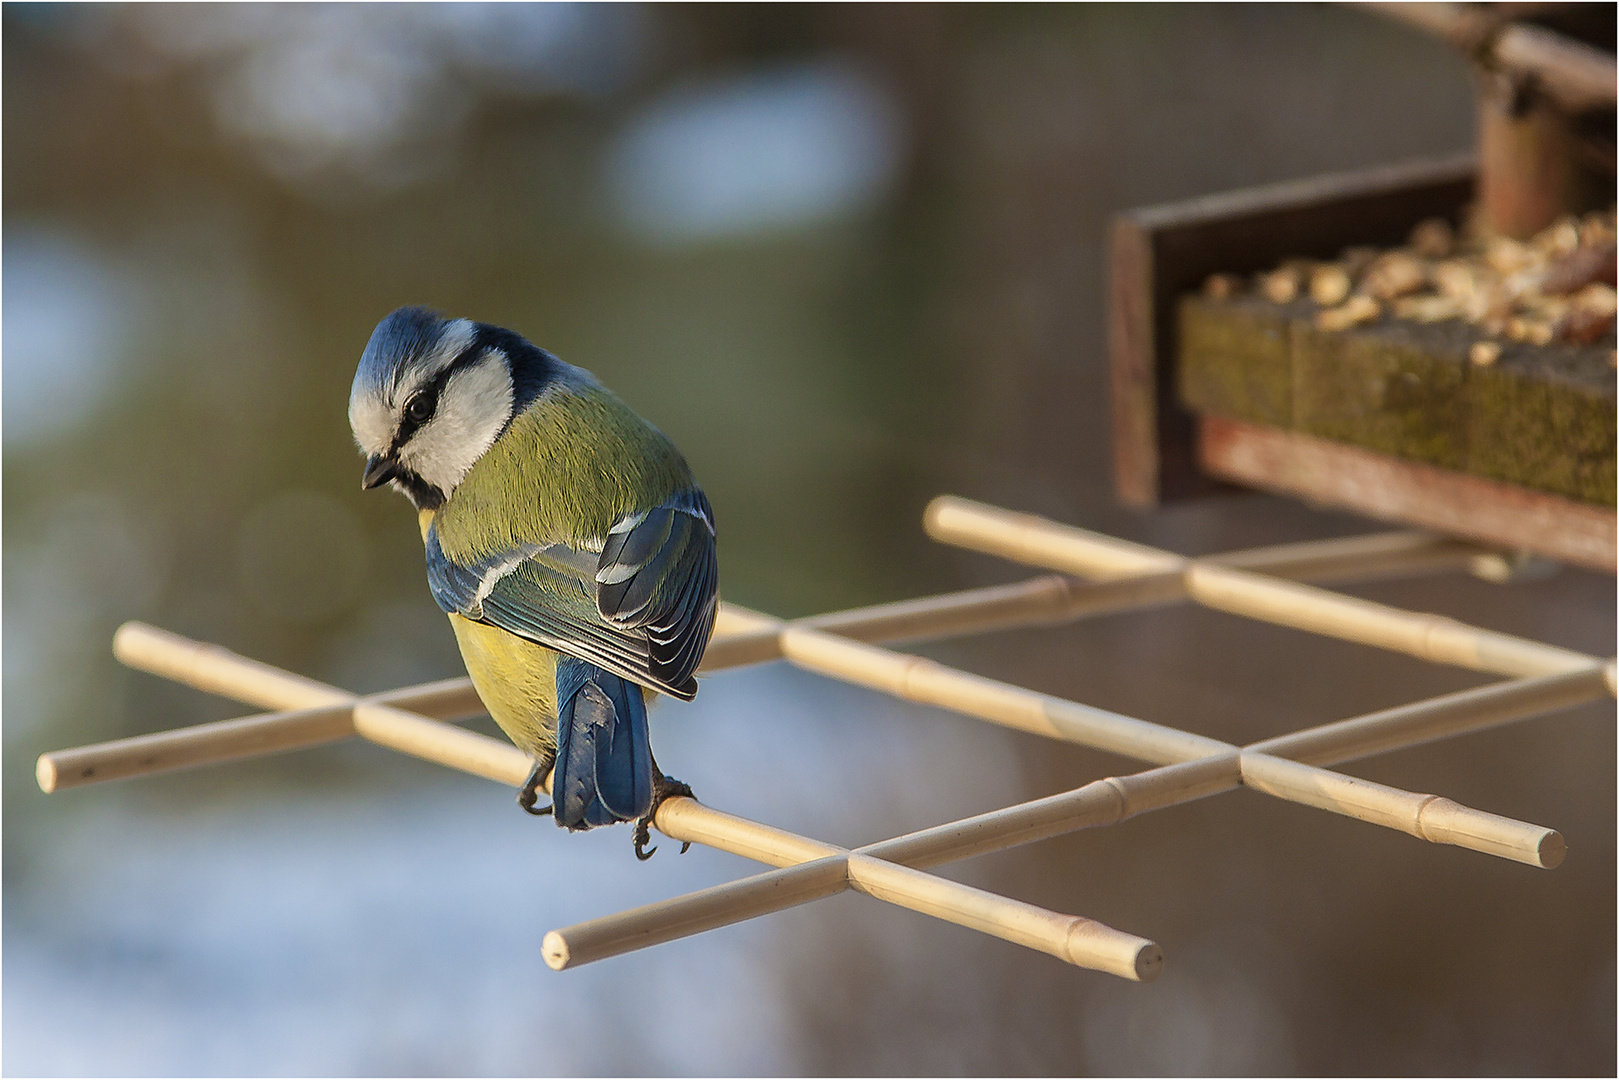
[1512, 443]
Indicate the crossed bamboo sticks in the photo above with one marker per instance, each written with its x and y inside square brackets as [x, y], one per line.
[1262, 583]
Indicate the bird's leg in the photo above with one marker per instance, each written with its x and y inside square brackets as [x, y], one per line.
[663, 787]
[530, 794]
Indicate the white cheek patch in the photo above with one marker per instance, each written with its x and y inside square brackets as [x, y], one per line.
[372, 423]
[472, 409]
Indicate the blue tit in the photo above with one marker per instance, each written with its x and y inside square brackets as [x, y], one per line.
[566, 540]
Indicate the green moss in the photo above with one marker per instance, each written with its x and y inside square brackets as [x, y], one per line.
[1544, 418]
[1234, 360]
[1376, 387]
[1540, 417]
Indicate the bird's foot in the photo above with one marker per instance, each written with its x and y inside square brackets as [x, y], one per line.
[663, 787]
[530, 794]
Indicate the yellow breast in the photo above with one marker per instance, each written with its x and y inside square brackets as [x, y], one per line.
[517, 681]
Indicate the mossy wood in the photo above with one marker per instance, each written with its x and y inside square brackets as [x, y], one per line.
[1159, 253]
[1541, 417]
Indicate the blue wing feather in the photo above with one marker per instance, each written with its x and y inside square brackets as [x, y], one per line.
[646, 616]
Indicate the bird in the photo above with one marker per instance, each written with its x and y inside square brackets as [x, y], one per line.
[565, 538]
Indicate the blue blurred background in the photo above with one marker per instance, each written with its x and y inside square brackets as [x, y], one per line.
[848, 257]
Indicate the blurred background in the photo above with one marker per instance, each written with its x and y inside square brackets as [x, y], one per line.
[848, 258]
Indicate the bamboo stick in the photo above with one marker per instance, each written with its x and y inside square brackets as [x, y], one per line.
[741, 637]
[905, 676]
[1428, 817]
[1101, 802]
[244, 737]
[1114, 799]
[445, 744]
[694, 913]
[1026, 538]
[1079, 941]
[1429, 637]
[204, 744]
[916, 679]
[1437, 718]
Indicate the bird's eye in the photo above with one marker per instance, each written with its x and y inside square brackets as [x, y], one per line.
[419, 407]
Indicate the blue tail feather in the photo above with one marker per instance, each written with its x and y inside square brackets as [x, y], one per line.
[604, 755]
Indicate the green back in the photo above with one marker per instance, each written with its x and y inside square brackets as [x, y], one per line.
[566, 470]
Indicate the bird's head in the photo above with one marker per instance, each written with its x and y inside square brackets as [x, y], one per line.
[432, 395]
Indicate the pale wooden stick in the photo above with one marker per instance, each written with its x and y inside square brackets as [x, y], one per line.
[707, 909]
[1030, 539]
[1082, 942]
[216, 670]
[906, 676]
[1430, 637]
[741, 637]
[1101, 802]
[244, 737]
[916, 679]
[204, 744]
[1426, 816]
[1114, 799]
[1079, 941]
[1437, 718]
[445, 744]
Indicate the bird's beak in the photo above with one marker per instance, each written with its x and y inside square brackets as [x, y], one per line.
[378, 471]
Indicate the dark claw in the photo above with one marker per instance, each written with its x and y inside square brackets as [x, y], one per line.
[663, 787]
[530, 794]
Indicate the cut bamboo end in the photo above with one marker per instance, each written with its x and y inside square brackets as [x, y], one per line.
[1427, 817]
[1092, 945]
[1076, 940]
[555, 950]
[1442, 821]
[45, 772]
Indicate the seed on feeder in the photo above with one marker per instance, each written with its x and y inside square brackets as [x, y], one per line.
[1559, 238]
[1597, 299]
[1508, 256]
[1454, 278]
[1356, 310]
[1394, 274]
[1484, 353]
[1329, 285]
[1433, 239]
[1530, 330]
[1280, 286]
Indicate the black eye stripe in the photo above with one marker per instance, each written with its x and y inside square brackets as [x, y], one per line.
[408, 423]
